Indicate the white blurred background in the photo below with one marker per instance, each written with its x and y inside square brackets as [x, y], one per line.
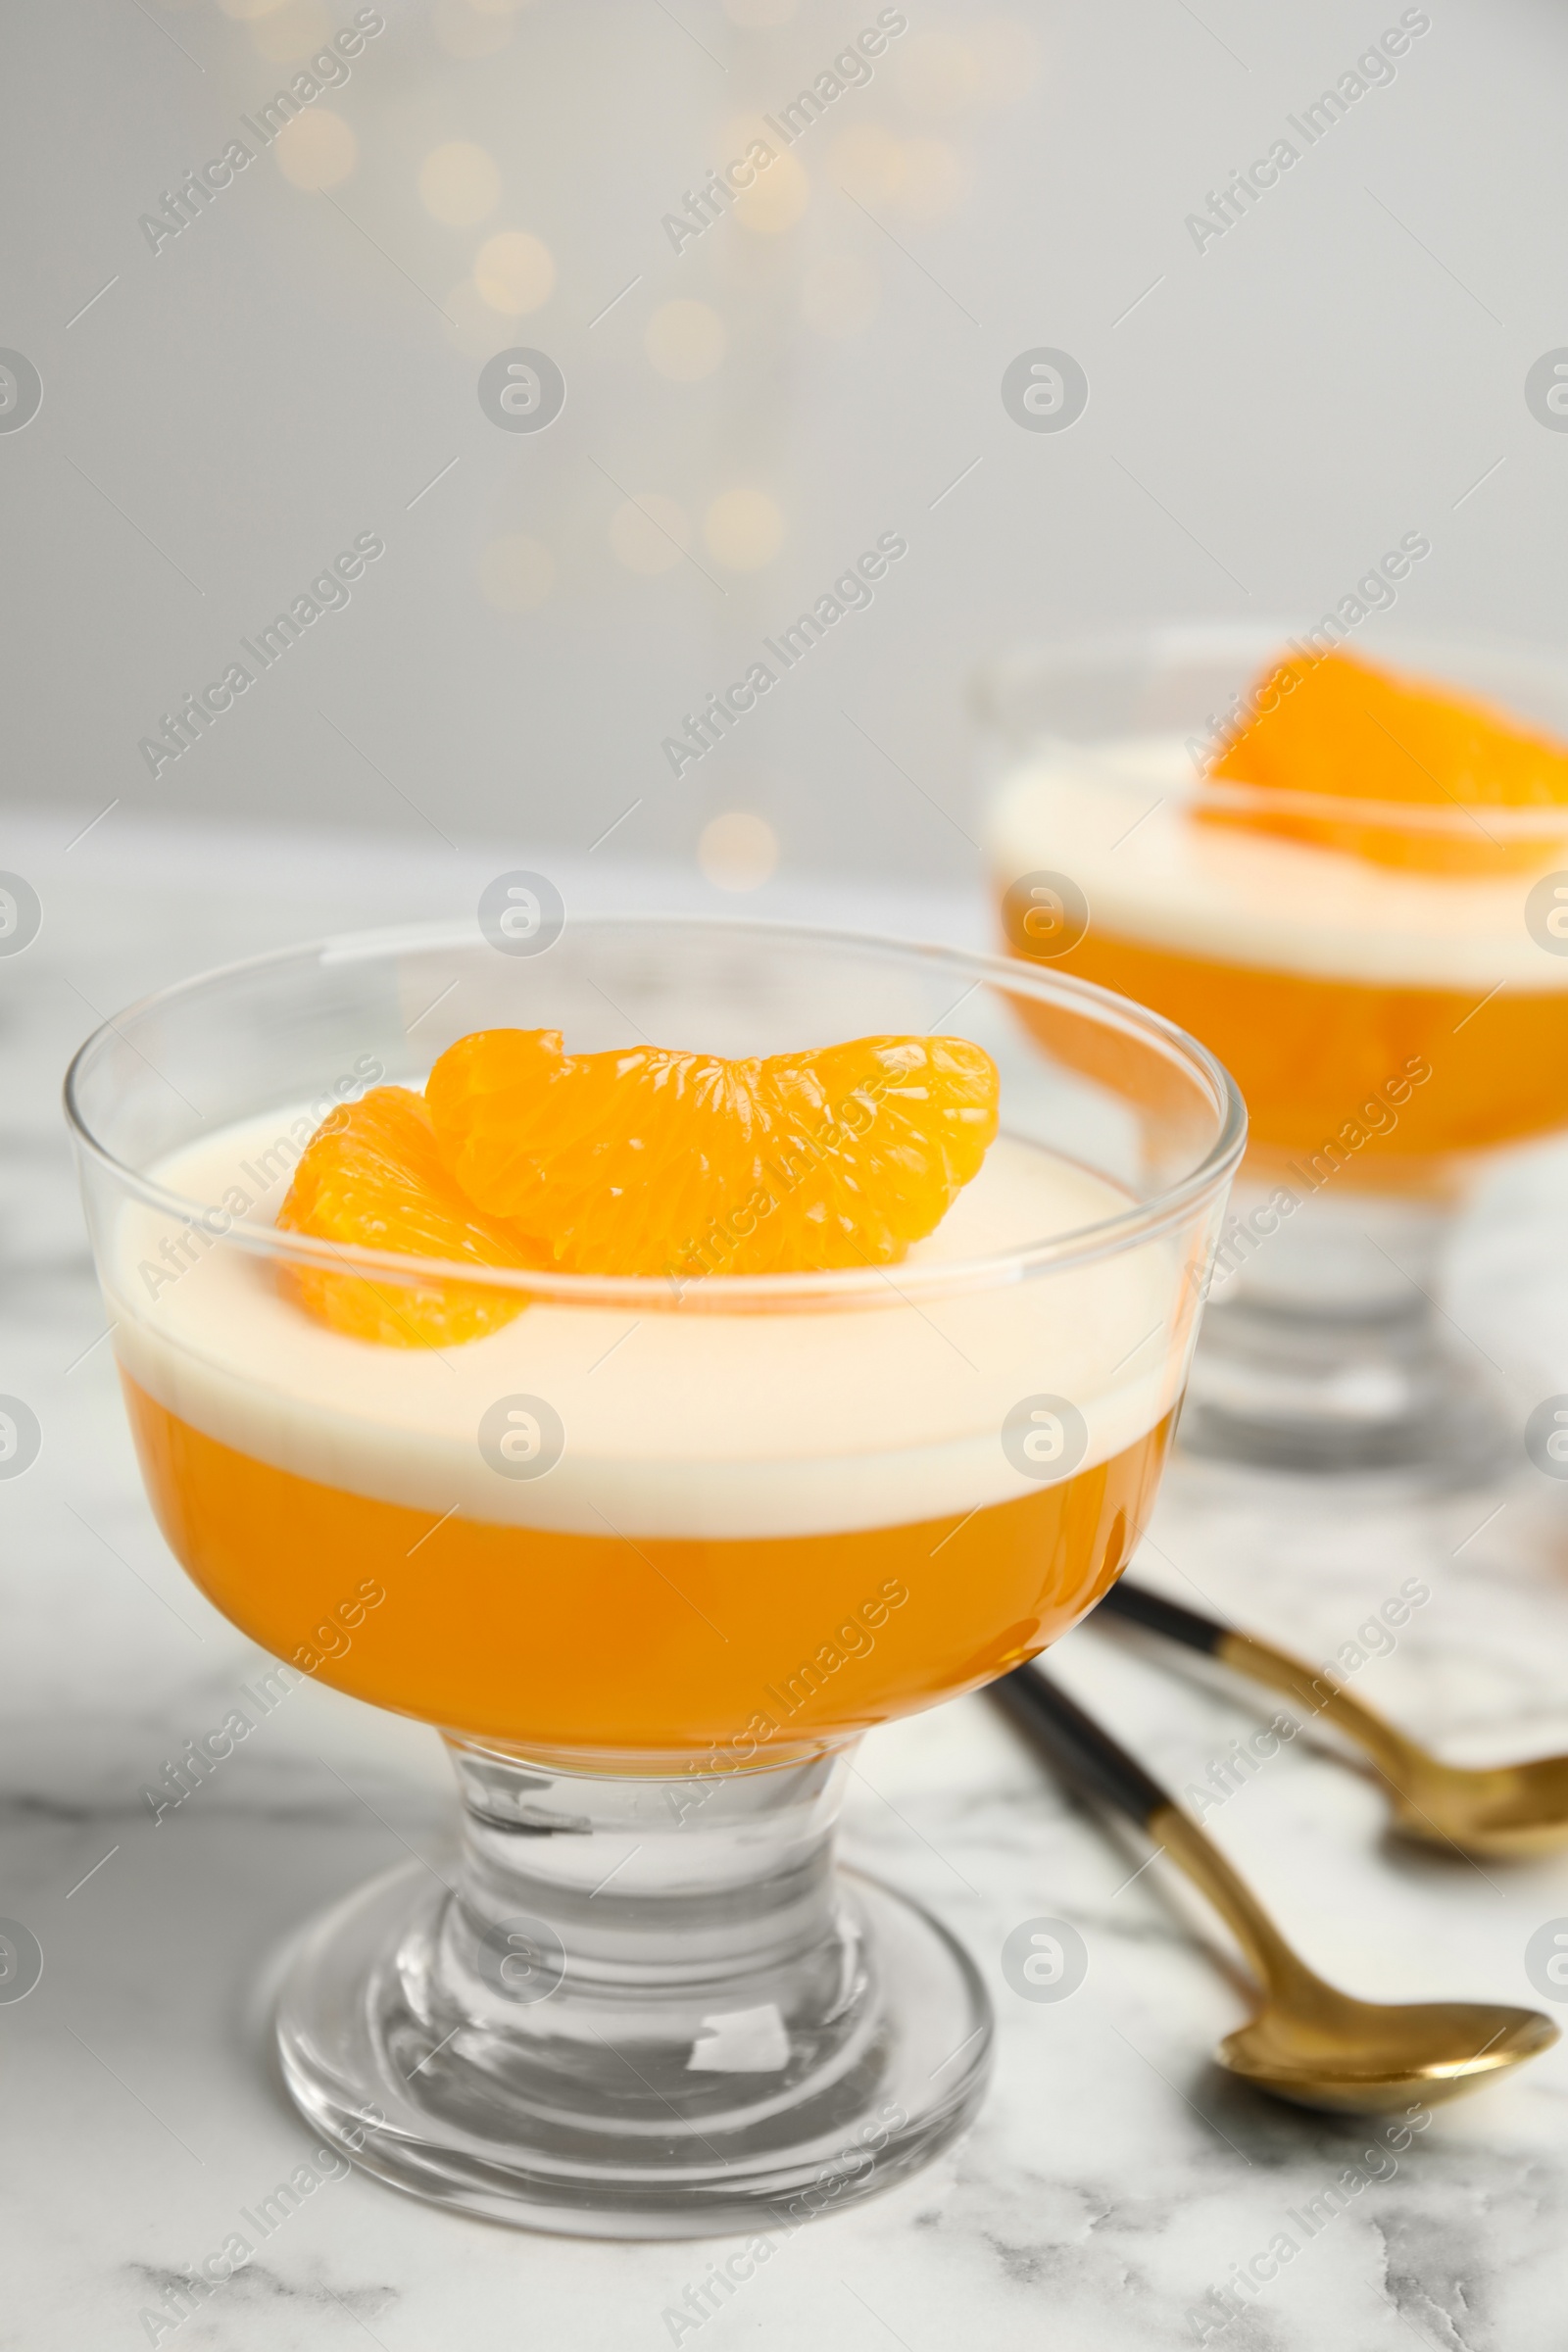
[298, 365]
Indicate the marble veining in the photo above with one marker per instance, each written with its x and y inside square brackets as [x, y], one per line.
[1116, 2186]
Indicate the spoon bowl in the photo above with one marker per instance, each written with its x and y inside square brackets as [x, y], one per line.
[1367, 2057]
[1320, 2047]
[1307, 2042]
[1510, 1810]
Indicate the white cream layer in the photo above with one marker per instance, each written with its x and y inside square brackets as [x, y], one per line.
[1117, 823]
[677, 1422]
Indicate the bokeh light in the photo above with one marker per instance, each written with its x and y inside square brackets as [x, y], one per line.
[743, 530]
[867, 162]
[938, 74]
[685, 340]
[459, 184]
[514, 272]
[464, 31]
[1008, 57]
[737, 851]
[316, 150]
[776, 198]
[298, 29]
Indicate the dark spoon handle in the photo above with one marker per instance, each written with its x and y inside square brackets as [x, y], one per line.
[1142, 1607]
[1075, 1744]
[1315, 1692]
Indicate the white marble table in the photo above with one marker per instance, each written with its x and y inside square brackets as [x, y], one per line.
[1115, 2177]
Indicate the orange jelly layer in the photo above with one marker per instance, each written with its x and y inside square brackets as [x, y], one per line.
[1308, 1053]
[581, 1641]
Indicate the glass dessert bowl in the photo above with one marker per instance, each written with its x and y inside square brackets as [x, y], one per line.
[651, 1550]
[1341, 872]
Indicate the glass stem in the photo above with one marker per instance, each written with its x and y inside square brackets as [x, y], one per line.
[747, 1852]
[687, 1920]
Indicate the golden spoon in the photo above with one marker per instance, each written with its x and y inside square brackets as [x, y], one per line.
[1310, 2043]
[1496, 1809]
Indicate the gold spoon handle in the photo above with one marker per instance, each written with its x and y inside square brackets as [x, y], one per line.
[1320, 1695]
[1276, 1967]
[1395, 1756]
[1084, 1752]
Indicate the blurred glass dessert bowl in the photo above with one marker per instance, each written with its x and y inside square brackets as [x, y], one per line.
[1342, 872]
[651, 1550]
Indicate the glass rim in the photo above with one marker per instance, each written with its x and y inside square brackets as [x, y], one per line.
[1255, 642]
[717, 1293]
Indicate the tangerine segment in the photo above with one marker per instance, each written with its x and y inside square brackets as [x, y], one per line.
[372, 1174]
[1337, 727]
[649, 1162]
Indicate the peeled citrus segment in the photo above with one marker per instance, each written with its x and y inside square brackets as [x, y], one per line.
[372, 1174]
[1339, 728]
[649, 1162]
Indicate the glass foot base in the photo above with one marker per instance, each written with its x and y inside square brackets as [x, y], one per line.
[661, 2072]
[1297, 1390]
